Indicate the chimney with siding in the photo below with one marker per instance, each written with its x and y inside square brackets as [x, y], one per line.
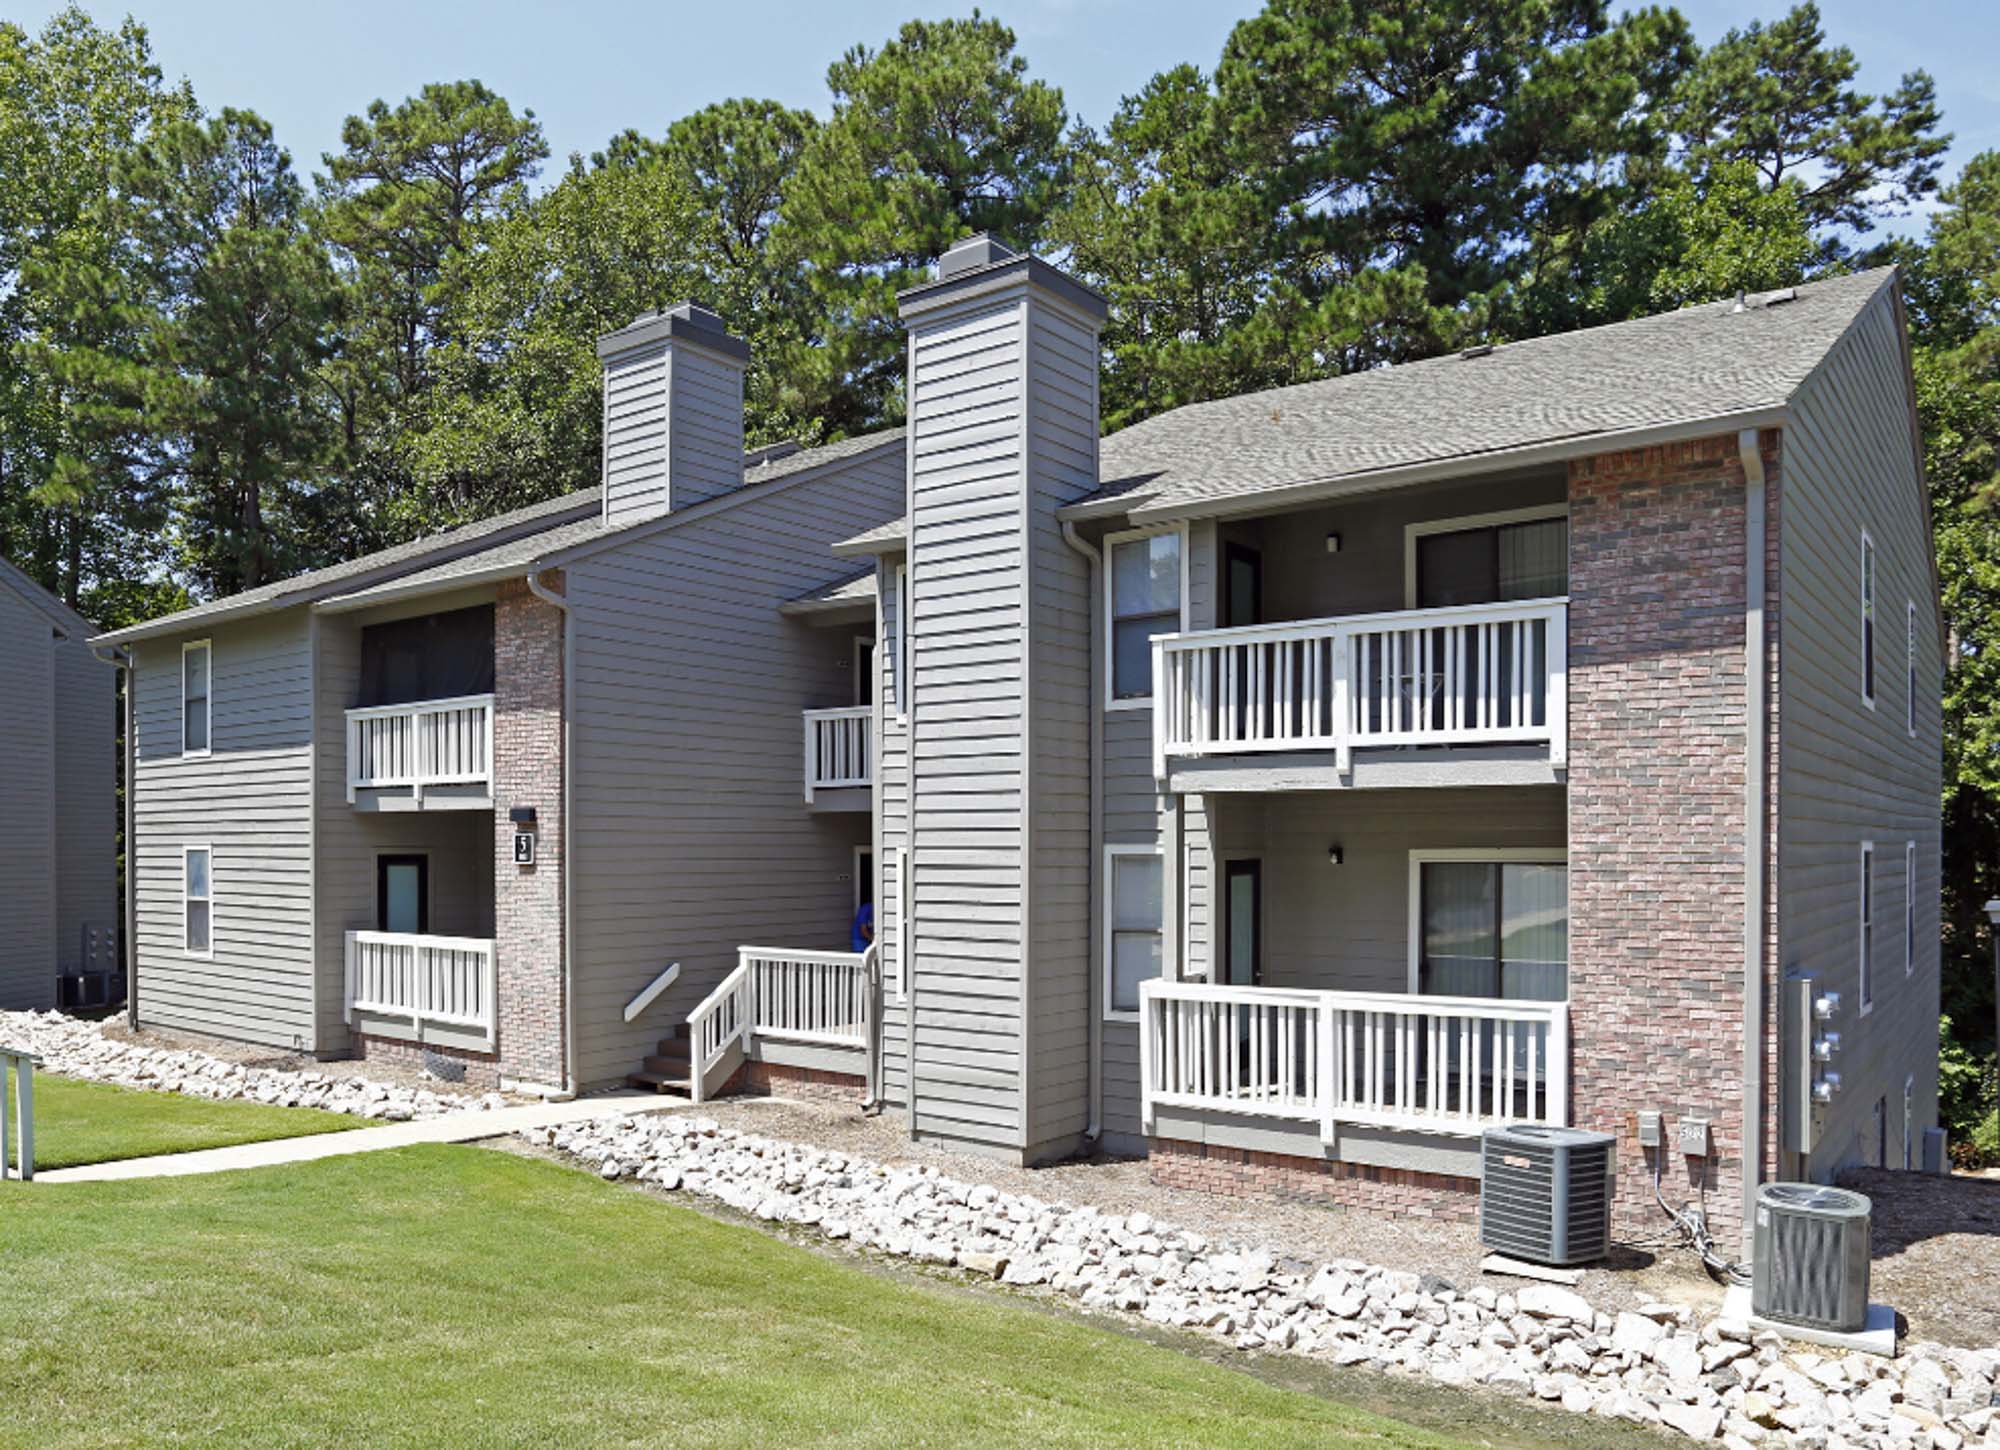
[1002, 418]
[673, 412]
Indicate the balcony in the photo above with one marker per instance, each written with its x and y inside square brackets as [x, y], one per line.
[421, 988]
[1475, 676]
[426, 755]
[839, 761]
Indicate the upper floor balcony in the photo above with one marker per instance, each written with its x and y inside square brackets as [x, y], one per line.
[1484, 675]
[424, 755]
[840, 758]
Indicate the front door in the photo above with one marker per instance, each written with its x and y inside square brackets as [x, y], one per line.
[1243, 923]
[403, 894]
[1243, 585]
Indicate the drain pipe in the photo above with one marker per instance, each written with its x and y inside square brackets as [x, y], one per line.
[1095, 557]
[548, 596]
[1754, 830]
[122, 661]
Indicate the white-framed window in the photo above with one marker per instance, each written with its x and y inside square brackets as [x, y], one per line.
[1909, 908]
[1865, 944]
[1490, 922]
[1910, 672]
[1145, 595]
[197, 901]
[1487, 558]
[895, 623]
[1134, 925]
[1867, 620]
[197, 684]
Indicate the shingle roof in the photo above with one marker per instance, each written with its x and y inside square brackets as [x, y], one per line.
[892, 535]
[59, 614]
[1700, 363]
[855, 589]
[469, 553]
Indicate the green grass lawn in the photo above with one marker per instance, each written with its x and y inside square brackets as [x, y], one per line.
[91, 1122]
[456, 1296]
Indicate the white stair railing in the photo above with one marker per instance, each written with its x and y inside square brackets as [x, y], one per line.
[818, 998]
[21, 1066]
[433, 981]
[426, 743]
[1453, 1065]
[1478, 675]
[718, 1027]
[650, 993]
[837, 749]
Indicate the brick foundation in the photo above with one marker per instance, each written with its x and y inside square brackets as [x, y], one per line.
[772, 1079]
[1245, 1173]
[482, 1069]
[1656, 806]
[528, 771]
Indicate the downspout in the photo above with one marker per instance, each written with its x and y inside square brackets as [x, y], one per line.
[1755, 842]
[542, 592]
[121, 661]
[1095, 557]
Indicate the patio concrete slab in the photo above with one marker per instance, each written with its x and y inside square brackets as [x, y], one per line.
[467, 1127]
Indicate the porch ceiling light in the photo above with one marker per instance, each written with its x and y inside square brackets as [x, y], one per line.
[1335, 856]
[1333, 543]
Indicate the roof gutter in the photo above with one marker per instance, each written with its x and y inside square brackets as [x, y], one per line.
[121, 660]
[1095, 557]
[1755, 832]
[1464, 465]
[533, 579]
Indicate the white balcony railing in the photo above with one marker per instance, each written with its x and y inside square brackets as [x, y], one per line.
[425, 743]
[820, 998]
[837, 749]
[1451, 1065]
[1480, 675]
[430, 981]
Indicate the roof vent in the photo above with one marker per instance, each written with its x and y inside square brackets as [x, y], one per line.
[1779, 297]
[1478, 349]
[772, 452]
[981, 249]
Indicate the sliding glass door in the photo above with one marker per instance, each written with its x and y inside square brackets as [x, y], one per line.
[1494, 929]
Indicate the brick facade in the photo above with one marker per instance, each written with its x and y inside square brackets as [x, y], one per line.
[772, 1079]
[1247, 1173]
[1656, 808]
[528, 771]
[482, 1069]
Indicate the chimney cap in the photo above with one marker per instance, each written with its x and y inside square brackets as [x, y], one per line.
[688, 322]
[981, 249]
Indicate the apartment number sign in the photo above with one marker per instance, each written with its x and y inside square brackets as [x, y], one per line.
[524, 848]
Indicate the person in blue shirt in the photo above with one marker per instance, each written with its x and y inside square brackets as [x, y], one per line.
[864, 927]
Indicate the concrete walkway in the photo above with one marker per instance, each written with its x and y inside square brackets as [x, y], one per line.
[451, 1128]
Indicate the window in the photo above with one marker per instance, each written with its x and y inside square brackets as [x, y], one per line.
[1487, 558]
[896, 949]
[195, 712]
[1134, 925]
[1881, 1155]
[1910, 909]
[1909, 1121]
[1910, 657]
[895, 614]
[1491, 927]
[197, 902]
[403, 894]
[1867, 621]
[1866, 949]
[1144, 582]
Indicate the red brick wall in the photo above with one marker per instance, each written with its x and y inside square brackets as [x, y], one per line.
[1245, 1173]
[482, 1069]
[772, 1079]
[1656, 809]
[528, 771]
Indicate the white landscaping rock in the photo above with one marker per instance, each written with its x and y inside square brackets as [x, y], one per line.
[1659, 1367]
[71, 1048]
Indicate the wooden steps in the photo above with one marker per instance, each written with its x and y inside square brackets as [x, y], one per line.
[669, 1070]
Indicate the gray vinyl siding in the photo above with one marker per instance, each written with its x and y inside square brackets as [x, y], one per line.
[459, 844]
[688, 821]
[635, 435]
[250, 800]
[969, 736]
[86, 798]
[27, 771]
[892, 833]
[1062, 443]
[1848, 773]
[707, 426]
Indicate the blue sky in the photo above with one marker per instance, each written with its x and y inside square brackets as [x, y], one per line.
[590, 70]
